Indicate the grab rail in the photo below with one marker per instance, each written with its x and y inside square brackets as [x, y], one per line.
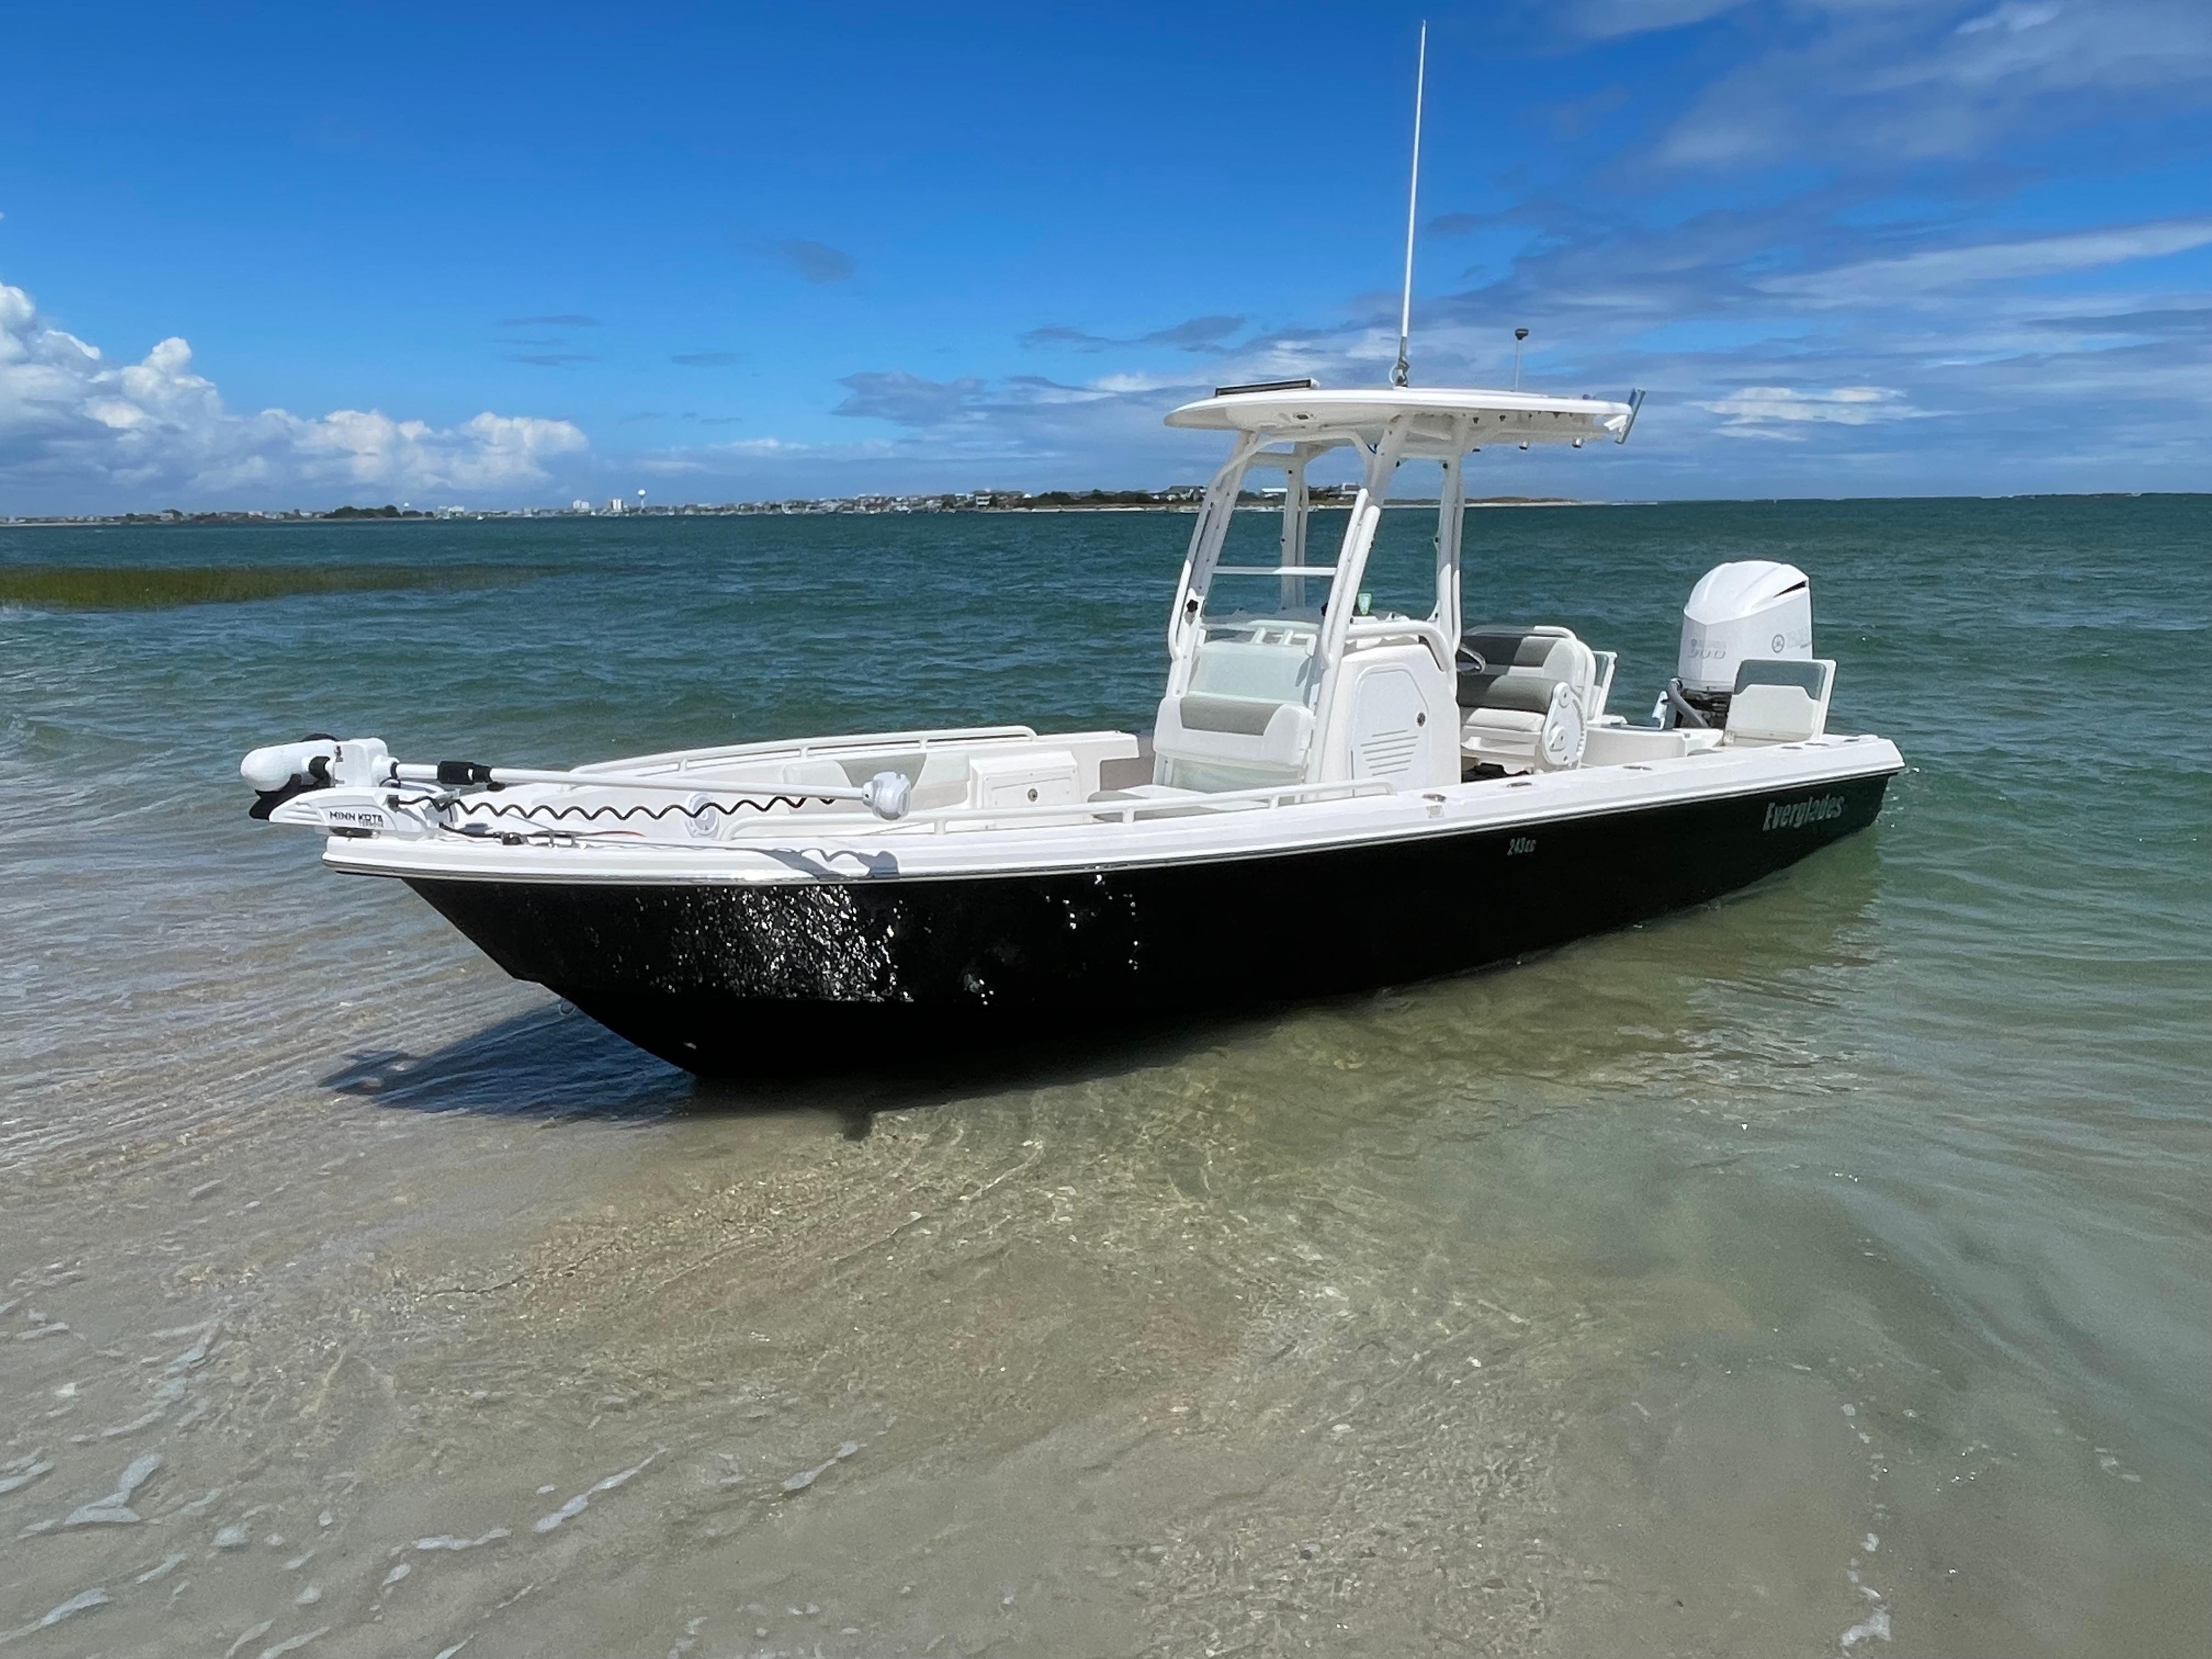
[685, 760]
[939, 819]
[1420, 628]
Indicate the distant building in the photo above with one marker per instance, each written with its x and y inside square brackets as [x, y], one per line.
[614, 503]
[579, 505]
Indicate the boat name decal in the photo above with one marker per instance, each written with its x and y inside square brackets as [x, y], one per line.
[1797, 814]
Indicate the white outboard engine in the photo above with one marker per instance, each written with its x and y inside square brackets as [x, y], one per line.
[1753, 609]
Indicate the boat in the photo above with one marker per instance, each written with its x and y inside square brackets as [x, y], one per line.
[1333, 795]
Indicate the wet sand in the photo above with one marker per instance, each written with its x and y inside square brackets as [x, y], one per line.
[1350, 1332]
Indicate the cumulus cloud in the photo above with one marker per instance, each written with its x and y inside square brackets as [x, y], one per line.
[77, 428]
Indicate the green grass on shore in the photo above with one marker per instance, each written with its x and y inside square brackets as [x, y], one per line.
[147, 587]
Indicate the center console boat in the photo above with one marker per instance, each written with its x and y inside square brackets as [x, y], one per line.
[1332, 796]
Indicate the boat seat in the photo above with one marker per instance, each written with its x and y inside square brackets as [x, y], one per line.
[1780, 701]
[1507, 678]
[1243, 721]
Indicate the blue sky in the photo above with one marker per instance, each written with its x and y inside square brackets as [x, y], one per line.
[296, 255]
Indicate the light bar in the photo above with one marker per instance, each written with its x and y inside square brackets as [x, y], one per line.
[1264, 385]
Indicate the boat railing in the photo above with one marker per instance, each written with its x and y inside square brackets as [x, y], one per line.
[963, 819]
[691, 760]
[1377, 630]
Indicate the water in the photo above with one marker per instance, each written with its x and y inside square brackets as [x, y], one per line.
[1823, 1271]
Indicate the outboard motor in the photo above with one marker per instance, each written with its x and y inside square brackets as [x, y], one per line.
[1751, 609]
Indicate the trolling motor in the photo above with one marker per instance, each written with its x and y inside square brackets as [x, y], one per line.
[360, 790]
[318, 761]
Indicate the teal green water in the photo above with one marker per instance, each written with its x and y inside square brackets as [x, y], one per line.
[1835, 1257]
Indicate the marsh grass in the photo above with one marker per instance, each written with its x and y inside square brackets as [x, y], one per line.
[146, 588]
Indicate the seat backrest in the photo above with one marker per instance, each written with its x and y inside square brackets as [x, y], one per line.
[1780, 701]
[1245, 720]
[1516, 668]
[1210, 742]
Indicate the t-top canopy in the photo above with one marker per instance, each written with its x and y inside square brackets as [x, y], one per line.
[1446, 421]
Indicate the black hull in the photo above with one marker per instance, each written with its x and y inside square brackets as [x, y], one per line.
[713, 978]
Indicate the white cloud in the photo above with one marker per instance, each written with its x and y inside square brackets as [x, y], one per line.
[1874, 81]
[74, 426]
[2012, 17]
[1603, 18]
[1135, 380]
[1909, 275]
[712, 459]
[1753, 411]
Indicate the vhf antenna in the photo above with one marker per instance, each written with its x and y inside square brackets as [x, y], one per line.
[1413, 200]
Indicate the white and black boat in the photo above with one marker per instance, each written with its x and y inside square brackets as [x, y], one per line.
[1333, 795]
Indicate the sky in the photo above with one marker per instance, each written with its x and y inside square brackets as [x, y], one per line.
[503, 255]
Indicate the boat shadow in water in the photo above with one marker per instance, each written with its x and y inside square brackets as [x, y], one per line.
[1792, 935]
[555, 1061]
[548, 1061]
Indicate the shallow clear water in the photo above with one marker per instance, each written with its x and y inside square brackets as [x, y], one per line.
[1824, 1270]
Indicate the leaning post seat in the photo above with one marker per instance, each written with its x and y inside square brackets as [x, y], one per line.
[1246, 720]
[1508, 677]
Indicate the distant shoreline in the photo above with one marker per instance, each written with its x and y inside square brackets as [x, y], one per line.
[284, 521]
[851, 508]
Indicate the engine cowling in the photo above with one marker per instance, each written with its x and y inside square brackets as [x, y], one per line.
[1749, 609]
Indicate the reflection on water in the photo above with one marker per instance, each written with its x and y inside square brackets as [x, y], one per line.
[1820, 1271]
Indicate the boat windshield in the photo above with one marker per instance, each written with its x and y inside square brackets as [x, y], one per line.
[1260, 616]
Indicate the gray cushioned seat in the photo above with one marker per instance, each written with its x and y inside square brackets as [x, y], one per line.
[1513, 668]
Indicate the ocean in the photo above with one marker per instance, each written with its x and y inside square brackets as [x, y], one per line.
[1827, 1269]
